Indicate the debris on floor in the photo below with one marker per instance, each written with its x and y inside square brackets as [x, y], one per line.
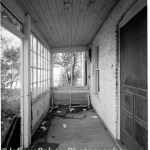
[79, 116]
[94, 117]
[71, 109]
[45, 145]
[43, 128]
[61, 110]
[43, 123]
[41, 133]
[64, 125]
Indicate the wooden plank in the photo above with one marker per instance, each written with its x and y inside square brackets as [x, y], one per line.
[61, 15]
[68, 16]
[80, 20]
[86, 134]
[99, 20]
[43, 40]
[69, 49]
[83, 18]
[76, 5]
[47, 12]
[54, 14]
[94, 11]
[26, 111]
[39, 11]
[28, 9]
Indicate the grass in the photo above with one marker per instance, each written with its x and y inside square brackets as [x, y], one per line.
[10, 107]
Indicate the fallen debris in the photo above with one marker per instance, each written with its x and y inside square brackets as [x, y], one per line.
[43, 123]
[94, 117]
[43, 128]
[61, 110]
[64, 125]
[76, 116]
[71, 109]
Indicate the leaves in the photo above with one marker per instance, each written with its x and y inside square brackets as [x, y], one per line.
[10, 62]
[67, 61]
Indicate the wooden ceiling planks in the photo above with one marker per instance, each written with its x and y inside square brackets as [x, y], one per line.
[88, 19]
[68, 14]
[68, 23]
[81, 16]
[76, 6]
[62, 19]
[56, 22]
[40, 10]
[35, 18]
[105, 10]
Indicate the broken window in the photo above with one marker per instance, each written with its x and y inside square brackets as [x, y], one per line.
[40, 67]
[69, 69]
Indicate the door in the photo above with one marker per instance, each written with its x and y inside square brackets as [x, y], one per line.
[134, 106]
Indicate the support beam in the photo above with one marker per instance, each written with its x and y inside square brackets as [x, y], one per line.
[26, 100]
[69, 49]
[51, 69]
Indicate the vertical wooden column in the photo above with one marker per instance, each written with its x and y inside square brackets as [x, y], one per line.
[51, 71]
[71, 69]
[51, 79]
[26, 97]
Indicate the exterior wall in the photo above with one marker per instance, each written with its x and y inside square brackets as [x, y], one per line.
[39, 109]
[107, 102]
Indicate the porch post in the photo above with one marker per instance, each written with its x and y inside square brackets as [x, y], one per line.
[26, 100]
[51, 71]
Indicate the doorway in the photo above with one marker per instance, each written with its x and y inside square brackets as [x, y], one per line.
[133, 73]
[11, 47]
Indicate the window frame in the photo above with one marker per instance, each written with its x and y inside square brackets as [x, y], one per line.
[97, 74]
[40, 58]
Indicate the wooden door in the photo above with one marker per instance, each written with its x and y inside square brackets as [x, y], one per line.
[134, 106]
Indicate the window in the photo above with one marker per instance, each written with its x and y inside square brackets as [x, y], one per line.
[97, 69]
[69, 69]
[40, 67]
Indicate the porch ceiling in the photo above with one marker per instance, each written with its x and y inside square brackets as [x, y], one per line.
[67, 23]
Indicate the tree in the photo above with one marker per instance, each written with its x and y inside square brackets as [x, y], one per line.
[68, 62]
[9, 64]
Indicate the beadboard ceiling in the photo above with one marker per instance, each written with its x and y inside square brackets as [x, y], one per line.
[67, 23]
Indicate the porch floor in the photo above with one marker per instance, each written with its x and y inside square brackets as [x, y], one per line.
[84, 133]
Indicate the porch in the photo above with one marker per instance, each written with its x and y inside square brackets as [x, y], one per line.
[78, 129]
[82, 53]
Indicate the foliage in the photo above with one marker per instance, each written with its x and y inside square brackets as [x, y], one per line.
[68, 62]
[10, 75]
[9, 64]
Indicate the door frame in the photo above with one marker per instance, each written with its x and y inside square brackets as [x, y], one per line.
[133, 10]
